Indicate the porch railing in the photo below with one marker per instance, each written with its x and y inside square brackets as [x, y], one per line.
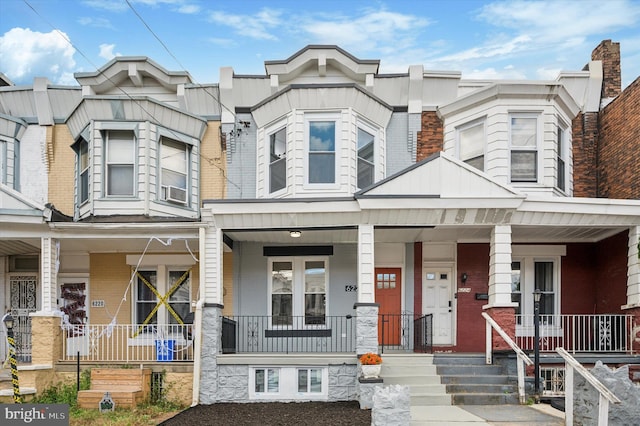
[405, 331]
[288, 334]
[605, 395]
[127, 343]
[577, 333]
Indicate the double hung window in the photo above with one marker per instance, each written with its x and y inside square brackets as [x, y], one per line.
[524, 147]
[471, 143]
[366, 167]
[83, 171]
[278, 160]
[561, 163]
[120, 162]
[174, 161]
[298, 290]
[322, 143]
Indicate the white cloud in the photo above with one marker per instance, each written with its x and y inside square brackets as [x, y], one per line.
[255, 26]
[548, 73]
[490, 50]
[106, 51]
[493, 74]
[379, 30]
[222, 42]
[561, 20]
[27, 53]
[95, 22]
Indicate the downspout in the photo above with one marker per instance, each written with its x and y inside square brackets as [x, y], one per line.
[197, 322]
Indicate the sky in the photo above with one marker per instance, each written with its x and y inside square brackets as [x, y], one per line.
[483, 39]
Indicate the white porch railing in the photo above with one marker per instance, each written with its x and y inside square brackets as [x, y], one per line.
[577, 333]
[522, 357]
[606, 395]
[127, 343]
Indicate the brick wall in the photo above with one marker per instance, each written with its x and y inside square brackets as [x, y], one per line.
[212, 164]
[62, 170]
[585, 139]
[609, 53]
[430, 137]
[619, 146]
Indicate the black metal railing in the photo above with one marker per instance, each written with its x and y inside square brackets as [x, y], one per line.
[405, 331]
[293, 334]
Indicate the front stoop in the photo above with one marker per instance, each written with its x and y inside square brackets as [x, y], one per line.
[470, 381]
[419, 373]
[6, 389]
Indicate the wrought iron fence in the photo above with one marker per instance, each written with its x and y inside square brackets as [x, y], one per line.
[405, 331]
[290, 334]
[127, 343]
[576, 333]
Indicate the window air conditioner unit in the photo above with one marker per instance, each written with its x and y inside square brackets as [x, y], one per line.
[175, 194]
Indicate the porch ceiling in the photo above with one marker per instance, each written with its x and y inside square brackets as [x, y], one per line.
[520, 234]
[14, 247]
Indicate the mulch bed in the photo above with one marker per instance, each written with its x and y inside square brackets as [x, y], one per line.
[274, 414]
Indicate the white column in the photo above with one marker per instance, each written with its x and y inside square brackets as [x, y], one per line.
[50, 261]
[365, 264]
[211, 265]
[633, 268]
[500, 268]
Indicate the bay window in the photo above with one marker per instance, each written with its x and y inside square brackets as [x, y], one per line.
[524, 147]
[298, 289]
[120, 163]
[471, 144]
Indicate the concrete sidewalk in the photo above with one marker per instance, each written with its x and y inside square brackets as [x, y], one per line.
[499, 415]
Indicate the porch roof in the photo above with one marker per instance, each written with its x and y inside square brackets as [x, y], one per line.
[438, 199]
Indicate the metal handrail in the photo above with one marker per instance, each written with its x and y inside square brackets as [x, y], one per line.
[606, 395]
[522, 357]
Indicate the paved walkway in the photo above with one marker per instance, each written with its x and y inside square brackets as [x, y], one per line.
[497, 415]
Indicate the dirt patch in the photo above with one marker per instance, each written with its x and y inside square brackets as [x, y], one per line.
[274, 414]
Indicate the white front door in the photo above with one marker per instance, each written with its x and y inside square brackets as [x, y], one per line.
[437, 300]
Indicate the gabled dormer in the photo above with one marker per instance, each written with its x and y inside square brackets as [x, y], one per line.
[133, 76]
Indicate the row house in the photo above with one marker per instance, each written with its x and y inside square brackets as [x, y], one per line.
[253, 237]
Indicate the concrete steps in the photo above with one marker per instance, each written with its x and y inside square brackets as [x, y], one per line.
[6, 389]
[469, 381]
[418, 373]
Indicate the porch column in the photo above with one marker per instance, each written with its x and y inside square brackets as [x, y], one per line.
[500, 306]
[46, 333]
[366, 308]
[211, 250]
[633, 284]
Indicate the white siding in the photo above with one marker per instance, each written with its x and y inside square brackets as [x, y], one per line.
[34, 182]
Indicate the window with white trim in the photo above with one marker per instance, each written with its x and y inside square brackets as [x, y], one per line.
[278, 160]
[533, 269]
[120, 149]
[162, 296]
[298, 291]
[288, 383]
[561, 158]
[322, 144]
[83, 171]
[174, 175]
[471, 143]
[366, 151]
[523, 131]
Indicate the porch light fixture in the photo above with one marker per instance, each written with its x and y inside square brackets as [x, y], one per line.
[295, 234]
[8, 322]
[464, 277]
[537, 294]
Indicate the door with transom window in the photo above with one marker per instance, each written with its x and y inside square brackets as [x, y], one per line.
[388, 296]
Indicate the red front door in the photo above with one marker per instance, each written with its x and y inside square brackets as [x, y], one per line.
[388, 296]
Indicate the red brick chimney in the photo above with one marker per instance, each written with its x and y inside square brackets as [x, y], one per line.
[609, 53]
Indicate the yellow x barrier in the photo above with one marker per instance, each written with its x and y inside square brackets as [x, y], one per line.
[162, 300]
